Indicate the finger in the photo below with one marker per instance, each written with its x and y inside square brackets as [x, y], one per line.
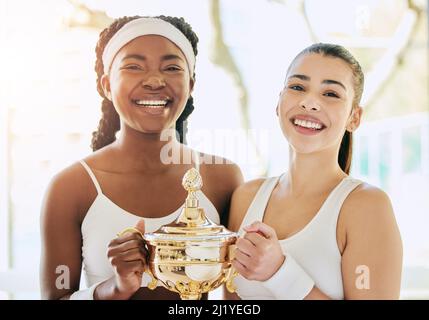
[115, 248]
[243, 258]
[256, 239]
[239, 268]
[128, 267]
[245, 246]
[126, 237]
[131, 244]
[130, 230]
[132, 255]
[141, 226]
[265, 229]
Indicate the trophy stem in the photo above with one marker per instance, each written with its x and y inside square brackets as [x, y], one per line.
[191, 200]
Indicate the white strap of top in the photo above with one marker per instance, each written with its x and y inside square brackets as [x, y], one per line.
[334, 202]
[197, 160]
[91, 174]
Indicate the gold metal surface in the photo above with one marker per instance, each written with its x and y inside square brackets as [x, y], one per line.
[192, 255]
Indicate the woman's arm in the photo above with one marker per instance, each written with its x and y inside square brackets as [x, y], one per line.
[63, 210]
[61, 257]
[372, 258]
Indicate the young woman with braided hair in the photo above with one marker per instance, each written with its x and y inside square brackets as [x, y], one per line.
[145, 75]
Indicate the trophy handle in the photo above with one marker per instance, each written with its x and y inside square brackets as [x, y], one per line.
[230, 286]
[153, 283]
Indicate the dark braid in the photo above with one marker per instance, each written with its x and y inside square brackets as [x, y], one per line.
[109, 123]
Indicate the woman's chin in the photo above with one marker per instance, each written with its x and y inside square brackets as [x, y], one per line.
[164, 132]
[302, 148]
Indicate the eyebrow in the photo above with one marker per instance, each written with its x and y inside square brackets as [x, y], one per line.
[300, 76]
[143, 58]
[327, 81]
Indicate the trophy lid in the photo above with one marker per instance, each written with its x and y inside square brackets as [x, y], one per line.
[192, 223]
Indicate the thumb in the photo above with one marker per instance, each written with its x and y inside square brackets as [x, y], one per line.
[262, 228]
[140, 226]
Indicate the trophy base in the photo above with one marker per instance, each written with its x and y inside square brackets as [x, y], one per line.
[190, 296]
[176, 279]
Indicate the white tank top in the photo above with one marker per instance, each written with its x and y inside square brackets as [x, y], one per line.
[105, 219]
[314, 247]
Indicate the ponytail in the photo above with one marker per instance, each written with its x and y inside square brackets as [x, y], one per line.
[346, 150]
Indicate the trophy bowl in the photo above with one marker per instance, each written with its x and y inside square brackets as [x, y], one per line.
[192, 265]
[191, 255]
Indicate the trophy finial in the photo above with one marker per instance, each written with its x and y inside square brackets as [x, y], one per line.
[192, 182]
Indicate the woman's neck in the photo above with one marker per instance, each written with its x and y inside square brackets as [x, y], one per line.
[143, 151]
[312, 173]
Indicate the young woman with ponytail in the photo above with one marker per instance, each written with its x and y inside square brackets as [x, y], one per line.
[145, 76]
[315, 232]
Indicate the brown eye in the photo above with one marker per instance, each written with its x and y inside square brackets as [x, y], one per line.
[173, 68]
[331, 94]
[132, 67]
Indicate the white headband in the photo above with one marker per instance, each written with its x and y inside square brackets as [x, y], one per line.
[145, 26]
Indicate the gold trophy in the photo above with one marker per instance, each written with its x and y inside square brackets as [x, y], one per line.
[192, 255]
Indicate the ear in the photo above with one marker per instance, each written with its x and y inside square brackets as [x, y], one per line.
[191, 85]
[278, 103]
[354, 119]
[105, 84]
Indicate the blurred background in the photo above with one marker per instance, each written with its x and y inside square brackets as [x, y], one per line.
[49, 105]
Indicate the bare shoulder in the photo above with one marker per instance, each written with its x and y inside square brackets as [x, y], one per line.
[67, 180]
[227, 174]
[367, 208]
[69, 192]
[241, 200]
[248, 190]
[367, 198]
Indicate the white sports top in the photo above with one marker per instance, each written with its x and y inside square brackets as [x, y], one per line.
[105, 219]
[314, 247]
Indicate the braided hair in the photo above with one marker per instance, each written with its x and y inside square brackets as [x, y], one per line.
[109, 123]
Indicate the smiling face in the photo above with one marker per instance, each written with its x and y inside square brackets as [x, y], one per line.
[315, 106]
[149, 83]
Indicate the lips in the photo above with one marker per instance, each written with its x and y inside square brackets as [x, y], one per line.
[153, 103]
[307, 122]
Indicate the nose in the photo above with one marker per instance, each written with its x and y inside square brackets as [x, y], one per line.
[153, 82]
[310, 105]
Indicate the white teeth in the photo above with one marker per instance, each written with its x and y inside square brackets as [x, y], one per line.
[151, 103]
[307, 124]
